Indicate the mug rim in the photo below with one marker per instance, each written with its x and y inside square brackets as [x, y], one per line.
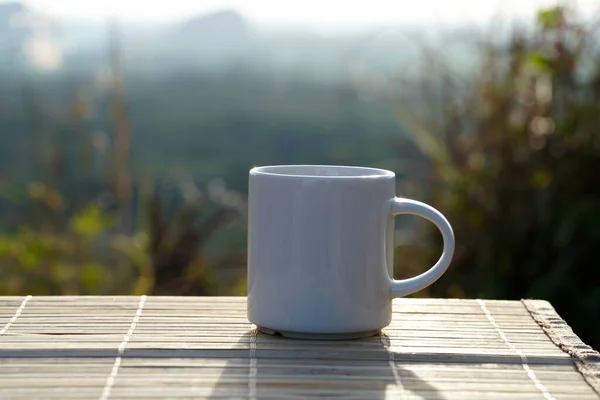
[351, 172]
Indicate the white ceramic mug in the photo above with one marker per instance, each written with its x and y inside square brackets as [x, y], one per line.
[320, 250]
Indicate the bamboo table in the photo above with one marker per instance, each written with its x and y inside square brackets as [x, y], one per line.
[205, 348]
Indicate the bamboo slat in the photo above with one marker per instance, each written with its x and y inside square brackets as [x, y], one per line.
[125, 347]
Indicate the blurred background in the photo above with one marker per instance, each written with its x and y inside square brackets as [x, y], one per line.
[127, 130]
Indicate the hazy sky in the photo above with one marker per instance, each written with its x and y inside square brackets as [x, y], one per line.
[312, 12]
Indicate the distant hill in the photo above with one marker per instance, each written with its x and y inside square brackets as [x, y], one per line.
[227, 39]
[223, 25]
[209, 41]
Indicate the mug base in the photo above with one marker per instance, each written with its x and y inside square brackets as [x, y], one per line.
[319, 336]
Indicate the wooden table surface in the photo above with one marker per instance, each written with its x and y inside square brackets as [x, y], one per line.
[205, 348]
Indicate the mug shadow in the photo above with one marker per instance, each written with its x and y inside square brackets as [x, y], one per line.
[283, 368]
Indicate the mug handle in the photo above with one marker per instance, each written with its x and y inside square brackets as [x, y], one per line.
[405, 287]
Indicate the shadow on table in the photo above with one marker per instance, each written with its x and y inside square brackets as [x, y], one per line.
[280, 368]
[285, 369]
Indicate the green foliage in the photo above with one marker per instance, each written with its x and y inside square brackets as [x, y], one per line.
[90, 222]
[540, 62]
[551, 18]
[91, 257]
[514, 167]
[55, 263]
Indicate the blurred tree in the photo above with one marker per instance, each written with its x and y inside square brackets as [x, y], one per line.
[513, 161]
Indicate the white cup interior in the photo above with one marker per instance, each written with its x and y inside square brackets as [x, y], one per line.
[326, 171]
